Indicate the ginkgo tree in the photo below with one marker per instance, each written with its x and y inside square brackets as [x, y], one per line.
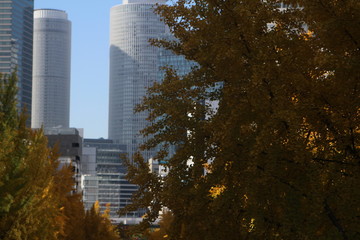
[28, 202]
[281, 151]
[35, 195]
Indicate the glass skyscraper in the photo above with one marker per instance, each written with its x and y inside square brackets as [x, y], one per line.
[16, 38]
[133, 68]
[51, 69]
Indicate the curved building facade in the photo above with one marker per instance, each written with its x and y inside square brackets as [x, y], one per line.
[133, 67]
[51, 69]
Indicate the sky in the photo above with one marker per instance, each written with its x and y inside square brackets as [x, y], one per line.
[89, 63]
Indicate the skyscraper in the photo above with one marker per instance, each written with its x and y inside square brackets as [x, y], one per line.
[133, 67]
[16, 38]
[51, 69]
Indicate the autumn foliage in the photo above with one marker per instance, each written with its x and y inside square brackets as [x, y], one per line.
[279, 157]
[35, 199]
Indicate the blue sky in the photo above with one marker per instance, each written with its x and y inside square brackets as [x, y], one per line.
[90, 62]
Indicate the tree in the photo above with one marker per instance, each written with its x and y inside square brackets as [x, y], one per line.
[164, 227]
[278, 158]
[27, 166]
[74, 218]
[99, 227]
[35, 196]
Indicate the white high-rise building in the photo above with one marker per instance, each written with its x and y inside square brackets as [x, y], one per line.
[51, 69]
[133, 68]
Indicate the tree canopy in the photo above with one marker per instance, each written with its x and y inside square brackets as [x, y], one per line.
[28, 166]
[279, 156]
[35, 199]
